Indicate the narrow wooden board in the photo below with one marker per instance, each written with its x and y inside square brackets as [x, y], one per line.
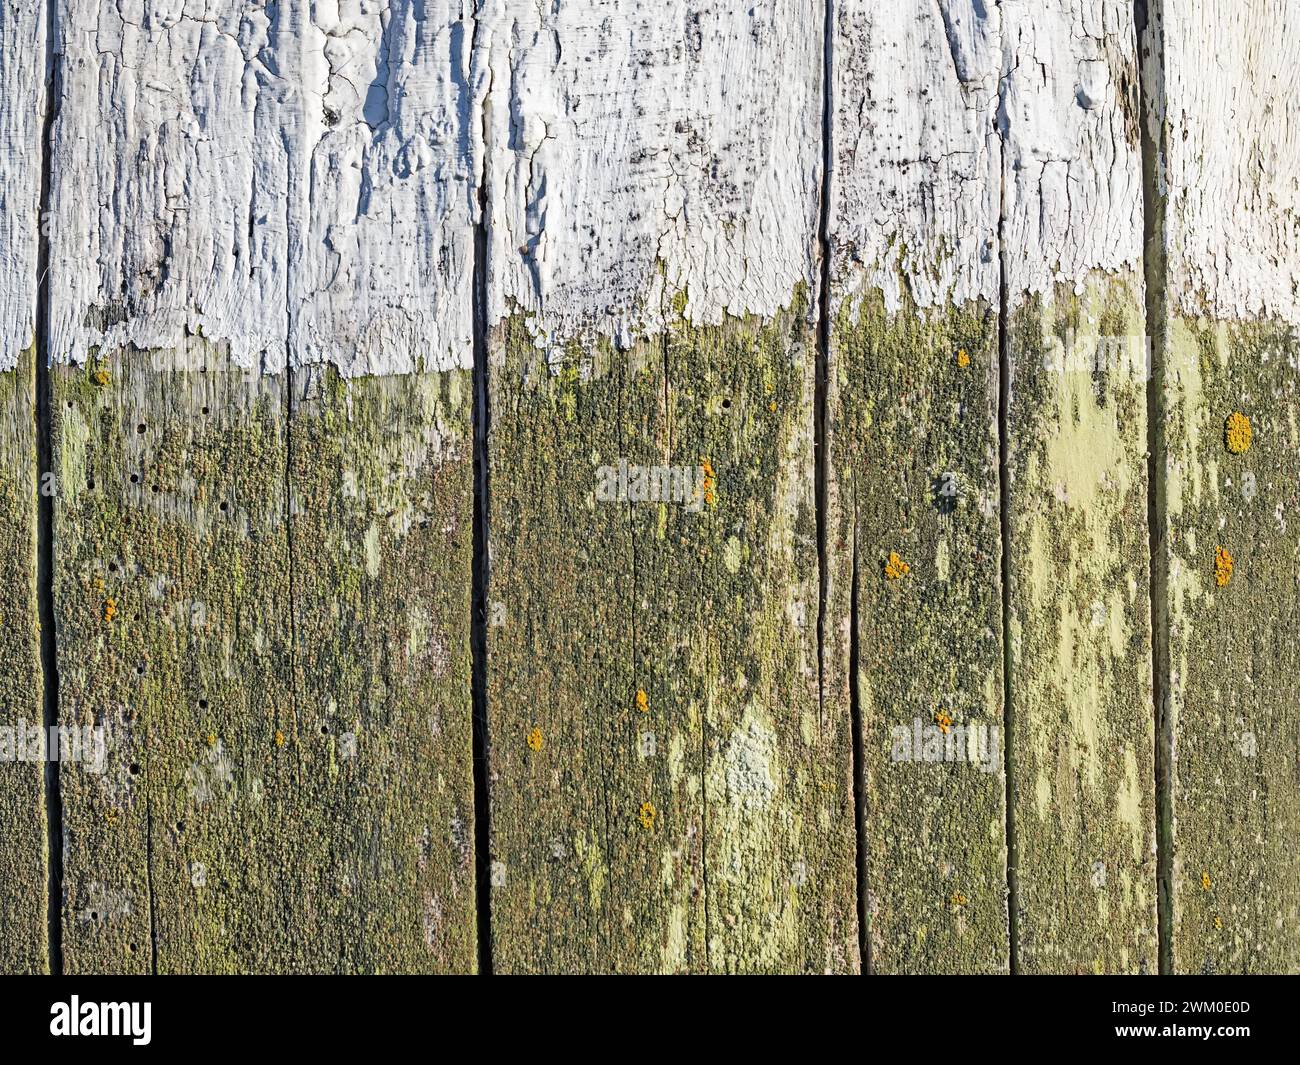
[24, 854]
[1081, 716]
[1228, 219]
[914, 474]
[24, 938]
[706, 826]
[381, 486]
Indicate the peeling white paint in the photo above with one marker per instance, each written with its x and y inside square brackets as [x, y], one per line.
[1232, 79]
[22, 44]
[947, 110]
[635, 150]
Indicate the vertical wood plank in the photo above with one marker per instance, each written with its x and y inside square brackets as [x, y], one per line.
[1224, 89]
[1082, 718]
[23, 848]
[168, 253]
[914, 453]
[381, 487]
[667, 792]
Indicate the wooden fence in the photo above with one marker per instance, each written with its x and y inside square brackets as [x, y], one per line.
[691, 486]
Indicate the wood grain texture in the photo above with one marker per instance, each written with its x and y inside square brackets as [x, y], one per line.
[23, 857]
[381, 489]
[1081, 714]
[1227, 230]
[914, 474]
[23, 849]
[171, 593]
[279, 649]
[707, 826]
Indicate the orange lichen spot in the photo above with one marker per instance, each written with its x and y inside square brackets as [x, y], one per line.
[1222, 566]
[944, 721]
[534, 739]
[279, 738]
[1236, 433]
[895, 567]
[1205, 881]
[958, 899]
[646, 815]
[963, 359]
[710, 482]
[100, 377]
[110, 609]
[642, 701]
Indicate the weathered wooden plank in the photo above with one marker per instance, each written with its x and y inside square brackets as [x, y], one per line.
[381, 485]
[272, 611]
[23, 857]
[913, 503]
[168, 253]
[1081, 714]
[667, 793]
[1224, 91]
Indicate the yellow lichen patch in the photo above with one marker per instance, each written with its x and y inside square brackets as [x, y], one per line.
[646, 815]
[1222, 566]
[534, 739]
[963, 359]
[212, 739]
[1218, 924]
[642, 701]
[279, 738]
[1205, 881]
[772, 406]
[944, 721]
[110, 609]
[1236, 433]
[895, 567]
[100, 377]
[958, 900]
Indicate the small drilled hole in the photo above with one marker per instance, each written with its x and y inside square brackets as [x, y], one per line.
[140, 669]
[205, 410]
[140, 428]
[135, 770]
[225, 507]
[135, 478]
[203, 704]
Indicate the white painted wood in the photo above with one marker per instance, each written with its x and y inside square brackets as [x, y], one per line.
[22, 73]
[915, 192]
[382, 279]
[936, 103]
[1068, 112]
[635, 150]
[1232, 176]
[170, 173]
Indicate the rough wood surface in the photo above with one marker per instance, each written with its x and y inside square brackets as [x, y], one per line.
[684, 803]
[914, 475]
[1081, 720]
[23, 848]
[1229, 226]
[828, 604]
